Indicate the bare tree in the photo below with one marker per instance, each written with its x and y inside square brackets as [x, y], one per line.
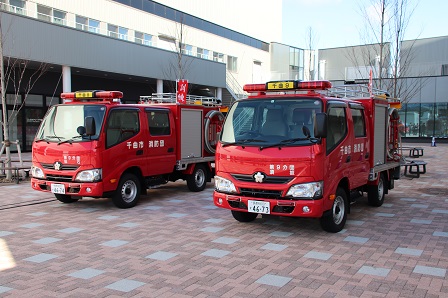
[386, 22]
[17, 75]
[311, 41]
[178, 67]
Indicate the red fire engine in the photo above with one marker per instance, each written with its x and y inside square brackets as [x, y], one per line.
[303, 149]
[94, 146]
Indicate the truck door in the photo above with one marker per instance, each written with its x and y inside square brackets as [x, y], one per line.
[124, 143]
[161, 155]
[360, 149]
[338, 146]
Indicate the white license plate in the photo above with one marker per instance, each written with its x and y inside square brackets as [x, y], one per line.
[258, 207]
[58, 188]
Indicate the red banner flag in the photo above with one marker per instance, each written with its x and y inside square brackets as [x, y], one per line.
[182, 90]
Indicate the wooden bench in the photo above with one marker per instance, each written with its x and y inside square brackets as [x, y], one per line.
[414, 168]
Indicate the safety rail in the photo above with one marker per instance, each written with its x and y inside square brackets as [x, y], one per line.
[359, 91]
[190, 99]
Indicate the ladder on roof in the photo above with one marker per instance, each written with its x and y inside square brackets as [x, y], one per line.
[171, 98]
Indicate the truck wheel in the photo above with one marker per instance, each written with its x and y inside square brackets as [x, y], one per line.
[65, 198]
[198, 179]
[128, 191]
[375, 193]
[244, 216]
[334, 221]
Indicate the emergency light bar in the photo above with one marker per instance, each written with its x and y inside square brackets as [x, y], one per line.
[287, 86]
[95, 94]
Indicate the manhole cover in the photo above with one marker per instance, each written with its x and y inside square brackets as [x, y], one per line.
[434, 191]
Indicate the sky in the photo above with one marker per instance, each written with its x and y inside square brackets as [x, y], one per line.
[338, 23]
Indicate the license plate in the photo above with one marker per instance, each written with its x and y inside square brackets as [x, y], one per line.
[58, 188]
[258, 207]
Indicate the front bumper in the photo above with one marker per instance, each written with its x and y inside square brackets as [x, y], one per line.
[84, 189]
[292, 208]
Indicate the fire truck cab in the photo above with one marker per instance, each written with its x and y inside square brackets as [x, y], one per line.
[94, 146]
[302, 149]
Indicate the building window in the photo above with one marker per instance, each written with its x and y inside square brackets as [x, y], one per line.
[143, 38]
[112, 30]
[44, 13]
[59, 17]
[49, 14]
[122, 33]
[187, 49]
[94, 26]
[199, 52]
[219, 57]
[232, 63]
[15, 6]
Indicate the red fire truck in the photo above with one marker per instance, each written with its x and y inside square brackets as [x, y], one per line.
[94, 146]
[303, 149]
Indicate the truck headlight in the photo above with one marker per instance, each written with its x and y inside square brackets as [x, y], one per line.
[37, 172]
[224, 185]
[89, 176]
[313, 190]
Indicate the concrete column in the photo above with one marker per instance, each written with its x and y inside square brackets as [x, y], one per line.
[159, 86]
[66, 79]
[219, 93]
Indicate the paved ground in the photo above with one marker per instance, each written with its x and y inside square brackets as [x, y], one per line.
[177, 244]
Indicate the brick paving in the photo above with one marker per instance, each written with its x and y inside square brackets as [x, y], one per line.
[175, 243]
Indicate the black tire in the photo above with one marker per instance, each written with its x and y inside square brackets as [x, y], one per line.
[244, 216]
[128, 191]
[65, 198]
[375, 193]
[334, 220]
[197, 180]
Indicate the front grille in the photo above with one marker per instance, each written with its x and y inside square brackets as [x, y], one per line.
[59, 178]
[268, 179]
[261, 193]
[50, 166]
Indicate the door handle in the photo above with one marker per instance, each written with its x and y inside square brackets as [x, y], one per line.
[366, 155]
[139, 152]
[348, 158]
[171, 149]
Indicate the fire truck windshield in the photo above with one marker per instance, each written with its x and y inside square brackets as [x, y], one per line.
[61, 123]
[271, 122]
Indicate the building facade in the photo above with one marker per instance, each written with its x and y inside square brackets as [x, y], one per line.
[422, 82]
[139, 47]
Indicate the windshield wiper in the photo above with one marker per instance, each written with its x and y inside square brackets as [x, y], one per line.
[52, 137]
[43, 139]
[242, 142]
[69, 140]
[284, 142]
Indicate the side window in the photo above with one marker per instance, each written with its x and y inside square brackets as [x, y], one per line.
[359, 124]
[121, 126]
[337, 127]
[159, 123]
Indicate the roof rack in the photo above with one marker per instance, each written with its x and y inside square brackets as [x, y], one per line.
[171, 98]
[360, 91]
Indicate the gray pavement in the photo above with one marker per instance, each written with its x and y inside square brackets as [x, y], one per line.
[175, 243]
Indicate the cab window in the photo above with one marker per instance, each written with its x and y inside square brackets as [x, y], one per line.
[359, 124]
[159, 123]
[337, 127]
[121, 126]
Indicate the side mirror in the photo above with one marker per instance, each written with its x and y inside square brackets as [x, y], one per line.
[90, 127]
[320, 125]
